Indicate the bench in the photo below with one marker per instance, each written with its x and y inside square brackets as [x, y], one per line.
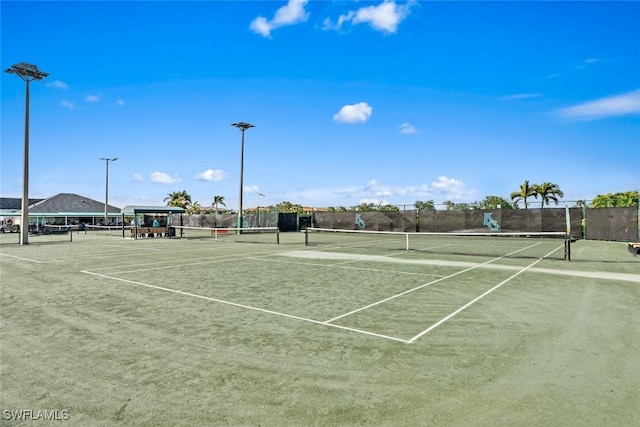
[149, 232]
[634, 248]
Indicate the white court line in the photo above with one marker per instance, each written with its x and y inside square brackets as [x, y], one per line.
[20, 258]
[248, 307]
[429, 284]
[268, 258]
[470, 303]
[179, 263]
[407, 291]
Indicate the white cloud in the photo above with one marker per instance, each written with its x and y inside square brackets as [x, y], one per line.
[443, 188]
[67, 104]
[120, 102]
[446, 184]
[292, 13]
[57, 84]
[612, 106]
[407, 128]
[384, 17]
[164, 178]
[251, 189]
[517, 96]
[137, 177]
[587, 62]
[355, 113]
[92, 98]
[211, 175]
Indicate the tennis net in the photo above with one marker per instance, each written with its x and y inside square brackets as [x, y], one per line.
[231, 234]
[553, 245]
[100, 230]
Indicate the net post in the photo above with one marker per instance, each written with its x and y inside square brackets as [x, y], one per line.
[306, 236]
[277, 235]
[567, 246]
[407, 241]
[70, 234]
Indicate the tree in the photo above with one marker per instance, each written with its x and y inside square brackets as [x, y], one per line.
[525, 192]
[623, 199]
[424, 206]
[493, 202]
[289, 207]
[389, 208]
[367, 207]
[218, 200]
[181, 199]
[548, 191]
[194, 208]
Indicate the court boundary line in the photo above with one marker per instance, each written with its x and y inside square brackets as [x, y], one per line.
[408, 291]
[21, 258]
[342, 327]
[249, 307]
[473, 301]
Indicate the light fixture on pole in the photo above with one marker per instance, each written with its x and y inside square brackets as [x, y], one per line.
[26, 72]
[106, 193]
[243, 126]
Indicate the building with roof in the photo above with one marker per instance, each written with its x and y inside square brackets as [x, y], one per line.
[61, 209]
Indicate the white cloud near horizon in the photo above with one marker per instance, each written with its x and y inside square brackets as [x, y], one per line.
[252, 189]
[58, 84]
[611, 106]
[292, 13]
[407, 128]
[384, 17]
[92, 98]
[211, 175]
[120, 102]
[355, 113]
[67, 104]
[443, 188]
[516, 96]
[137, 177]
[164, 178]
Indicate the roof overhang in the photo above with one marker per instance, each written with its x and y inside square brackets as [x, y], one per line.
[134, 210]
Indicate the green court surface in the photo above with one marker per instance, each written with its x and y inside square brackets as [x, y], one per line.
[108, 330]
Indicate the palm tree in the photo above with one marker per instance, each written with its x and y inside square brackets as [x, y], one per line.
[424, 205]
[178, 198]
[194, 208]
[525, 192]
[548, 192]
[218, 200]
[449, 205]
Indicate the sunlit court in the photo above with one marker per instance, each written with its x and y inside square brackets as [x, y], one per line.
[294, 328]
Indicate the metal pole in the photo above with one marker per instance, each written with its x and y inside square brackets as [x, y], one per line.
[241, 180]
[24, 213]
[106, 191]
[243, 126]
[26, 72]
[106, 195]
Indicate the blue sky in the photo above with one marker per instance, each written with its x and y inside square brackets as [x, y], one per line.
[352, 102]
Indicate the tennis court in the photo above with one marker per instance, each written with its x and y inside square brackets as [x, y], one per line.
[241, 329]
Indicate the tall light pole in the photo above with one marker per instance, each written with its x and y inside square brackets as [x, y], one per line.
[26, 72]
[106, 193]
[243, 126]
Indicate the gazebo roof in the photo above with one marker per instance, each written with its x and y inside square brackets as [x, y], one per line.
[132, 210]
